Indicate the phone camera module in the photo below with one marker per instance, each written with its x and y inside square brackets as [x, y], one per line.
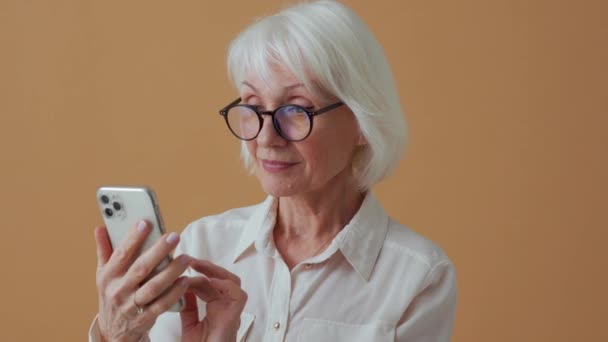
[105, 199]
[109, 212]
[116, 206]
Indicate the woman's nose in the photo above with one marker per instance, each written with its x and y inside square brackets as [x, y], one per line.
[268, 135]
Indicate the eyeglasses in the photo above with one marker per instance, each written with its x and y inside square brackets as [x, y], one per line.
[292, 122]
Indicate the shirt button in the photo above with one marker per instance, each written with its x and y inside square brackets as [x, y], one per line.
[308, 266]
[277, 325]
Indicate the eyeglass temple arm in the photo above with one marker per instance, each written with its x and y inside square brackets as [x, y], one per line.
[223, 110]
[328, 108]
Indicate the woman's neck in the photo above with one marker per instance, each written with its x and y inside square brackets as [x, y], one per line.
[306, 223]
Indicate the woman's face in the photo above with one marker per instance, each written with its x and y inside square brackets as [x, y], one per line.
[321, 160]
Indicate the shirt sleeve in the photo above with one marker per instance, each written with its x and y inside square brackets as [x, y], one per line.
[430, 316]
[94, 335]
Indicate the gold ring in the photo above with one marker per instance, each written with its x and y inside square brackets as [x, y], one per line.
[140, 309]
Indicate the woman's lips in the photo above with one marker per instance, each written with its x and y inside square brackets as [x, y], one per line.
[275, 165]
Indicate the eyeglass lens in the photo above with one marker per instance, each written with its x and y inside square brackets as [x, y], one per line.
[292, 122]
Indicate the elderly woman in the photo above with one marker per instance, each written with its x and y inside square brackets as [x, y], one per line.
[319, 259]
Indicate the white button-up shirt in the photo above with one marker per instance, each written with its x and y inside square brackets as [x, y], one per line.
[376, 281]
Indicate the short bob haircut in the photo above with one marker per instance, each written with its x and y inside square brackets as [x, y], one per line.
[331, 50]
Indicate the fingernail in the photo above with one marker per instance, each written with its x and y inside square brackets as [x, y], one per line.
[183, 282]
[141, 226]
[172, 238]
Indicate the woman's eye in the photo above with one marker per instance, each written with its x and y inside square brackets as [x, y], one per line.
[294, 109]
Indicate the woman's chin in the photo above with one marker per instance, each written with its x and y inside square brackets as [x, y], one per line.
[279, 189]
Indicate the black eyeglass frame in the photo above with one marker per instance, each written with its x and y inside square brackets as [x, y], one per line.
[275, 124]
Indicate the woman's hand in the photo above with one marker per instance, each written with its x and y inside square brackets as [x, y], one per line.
[126, 310]
[225, 299]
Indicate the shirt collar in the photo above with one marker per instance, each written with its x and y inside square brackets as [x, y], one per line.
[263, 217]
[364, 236]
[360, 241]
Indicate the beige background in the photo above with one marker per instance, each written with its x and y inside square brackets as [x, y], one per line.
[506, 166]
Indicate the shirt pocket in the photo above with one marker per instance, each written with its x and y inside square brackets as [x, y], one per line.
[330, 331]
[246, 323]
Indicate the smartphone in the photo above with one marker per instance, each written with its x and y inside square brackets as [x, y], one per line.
[122, 207]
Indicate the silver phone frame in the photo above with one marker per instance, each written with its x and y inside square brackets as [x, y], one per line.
[157, 215]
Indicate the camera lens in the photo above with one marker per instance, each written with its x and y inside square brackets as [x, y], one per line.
[105, 199]
[109, 212]
[116, 205]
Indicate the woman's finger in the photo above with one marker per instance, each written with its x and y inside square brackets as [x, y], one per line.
[104, 247]
[201, 288]
[228, 289]
[158, 284]
[150, 259]
[214, 271]
[189, 314]
[167, 300]
[126, 251]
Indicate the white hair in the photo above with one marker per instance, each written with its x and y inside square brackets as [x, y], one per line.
[331, 50]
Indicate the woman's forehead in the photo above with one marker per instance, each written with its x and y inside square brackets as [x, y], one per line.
[279, 81]
[272, 77]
